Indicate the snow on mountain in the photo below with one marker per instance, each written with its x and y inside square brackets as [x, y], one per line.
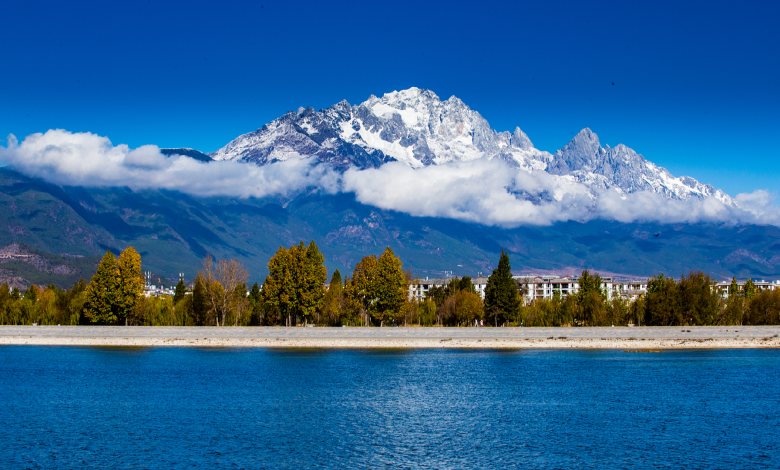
[620, 168]
[417, 128]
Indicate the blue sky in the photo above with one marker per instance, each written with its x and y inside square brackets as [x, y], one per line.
[695, 83]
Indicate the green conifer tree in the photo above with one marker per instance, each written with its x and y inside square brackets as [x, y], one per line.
[200, 301]
[502, 301]
[663, 302]
[32, 293]
[336, 279]
[102, 292]
[180, 291]
[734, 287]
[254, 294]
[466, 284]
[256, 305]
[750, 290]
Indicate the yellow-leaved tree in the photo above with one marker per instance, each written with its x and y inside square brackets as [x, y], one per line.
[295, 285]
[130, 282]
[378, 284]
[114, 289]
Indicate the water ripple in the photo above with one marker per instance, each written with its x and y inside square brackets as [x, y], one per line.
[183, 408]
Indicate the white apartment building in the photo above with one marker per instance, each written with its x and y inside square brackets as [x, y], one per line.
[630, 290]
[722, 288]
[420, 289]
[540, 287]
[545, 287]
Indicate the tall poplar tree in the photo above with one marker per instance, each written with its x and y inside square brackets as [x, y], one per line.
[333, 301]
[750, 290]
[662, 302]
[734, 287]
[591, 298]
[102, 290]
[363, 286]
[590, 283]
[310, 281]
[295, 284]
[391, 284]
[379, 285]
[335, 280]
[278, 288]
[130, 283]
[501, 298]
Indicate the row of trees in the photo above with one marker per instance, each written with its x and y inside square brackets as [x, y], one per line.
[376, 293]
[48, 306]
[689, 301]
[112, 295]
[295, 289]
[294, 292]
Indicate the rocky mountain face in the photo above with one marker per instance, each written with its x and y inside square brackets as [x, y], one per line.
[417, 128]
[622, 169]
[16, 252]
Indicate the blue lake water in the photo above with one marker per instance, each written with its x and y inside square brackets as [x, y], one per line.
[69, 407]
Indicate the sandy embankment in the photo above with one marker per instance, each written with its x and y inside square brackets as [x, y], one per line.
[647, 338]
[360, 343]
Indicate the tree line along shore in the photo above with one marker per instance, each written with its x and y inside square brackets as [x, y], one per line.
[296, 292]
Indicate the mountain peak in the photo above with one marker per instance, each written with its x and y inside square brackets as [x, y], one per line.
[578, 154]
[409, 95]
[520, 140]
[585, 137]
[414, 127]
[456, 101]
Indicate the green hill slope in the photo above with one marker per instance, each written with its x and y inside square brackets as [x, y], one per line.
[173, 232]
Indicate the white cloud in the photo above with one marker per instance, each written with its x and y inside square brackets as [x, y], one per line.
[761, 204]
[480, 191]
[492, 193]
[474, 191]
[85, 159]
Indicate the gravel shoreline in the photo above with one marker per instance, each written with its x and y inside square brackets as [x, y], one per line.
[645, 339]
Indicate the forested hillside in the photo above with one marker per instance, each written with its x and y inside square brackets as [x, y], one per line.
[173, 232]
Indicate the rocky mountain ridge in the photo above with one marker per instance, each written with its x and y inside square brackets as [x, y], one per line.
[417, 128]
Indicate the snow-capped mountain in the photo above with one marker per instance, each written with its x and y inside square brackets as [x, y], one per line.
[620, 168]
[417, 128]
[412, 126]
